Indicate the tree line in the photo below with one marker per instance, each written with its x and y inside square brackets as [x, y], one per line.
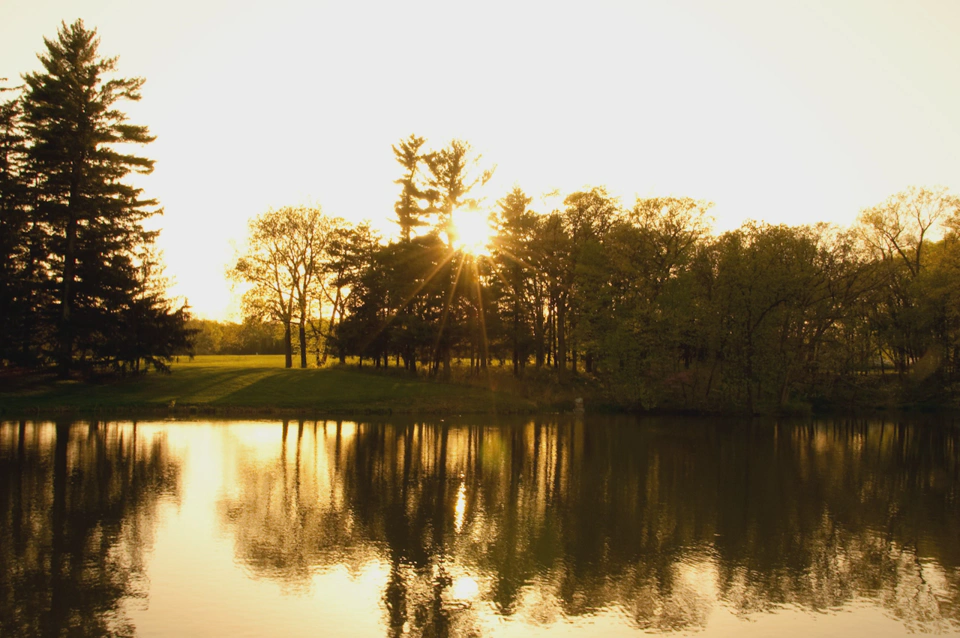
[80, 281]
[252, 336]
[642, 303]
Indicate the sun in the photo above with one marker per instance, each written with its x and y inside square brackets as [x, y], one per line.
[472, 232]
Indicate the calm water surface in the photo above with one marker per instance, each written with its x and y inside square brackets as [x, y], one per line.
[547, 527]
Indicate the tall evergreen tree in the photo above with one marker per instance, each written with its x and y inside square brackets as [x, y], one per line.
[452, 175]
[517, 224]
[95, 241]
[409, 213]
[14, 249]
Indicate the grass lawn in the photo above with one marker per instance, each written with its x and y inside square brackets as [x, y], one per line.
[260, 382]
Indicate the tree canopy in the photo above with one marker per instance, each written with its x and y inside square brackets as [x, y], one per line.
[646, 308]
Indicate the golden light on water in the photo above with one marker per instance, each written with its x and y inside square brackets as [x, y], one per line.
[465, 587]
[472, 232]
[461, 507]
[254, 527]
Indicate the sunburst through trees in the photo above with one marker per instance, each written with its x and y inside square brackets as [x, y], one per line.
[472, 232]
[643, 306]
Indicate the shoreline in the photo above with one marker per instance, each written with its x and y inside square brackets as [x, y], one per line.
[313, 413]
[254, 386]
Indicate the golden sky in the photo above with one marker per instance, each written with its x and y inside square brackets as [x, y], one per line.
[781, 111]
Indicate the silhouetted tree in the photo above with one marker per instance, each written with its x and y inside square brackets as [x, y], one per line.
[81, 234]
[453, 172]
[897, 234]
[512, 255]
[347, 255]
[408, 208]
[19, 271]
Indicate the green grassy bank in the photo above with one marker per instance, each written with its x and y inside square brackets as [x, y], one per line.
[257, 384]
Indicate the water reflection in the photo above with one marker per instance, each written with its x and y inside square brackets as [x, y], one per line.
[77, 510]
[657, 525]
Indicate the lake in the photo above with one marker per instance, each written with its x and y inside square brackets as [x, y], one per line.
[538, 527]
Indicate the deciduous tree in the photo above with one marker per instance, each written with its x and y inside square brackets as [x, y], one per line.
[282, 264]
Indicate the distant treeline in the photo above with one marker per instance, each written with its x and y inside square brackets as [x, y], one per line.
[640, 304]
[225, 337]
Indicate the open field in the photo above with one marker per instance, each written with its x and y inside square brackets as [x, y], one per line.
[261, 383]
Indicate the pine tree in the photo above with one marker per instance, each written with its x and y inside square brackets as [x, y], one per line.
[409, 213]
[93, 219]
[11, 224]
[22, 276]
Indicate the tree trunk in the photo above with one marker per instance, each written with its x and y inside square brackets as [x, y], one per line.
[516, 338]
[561, 340]
[538, 331]
[550, 333]
[65, 356]
[287, 345]
[331, 328]
[574, 351]
[303, 343]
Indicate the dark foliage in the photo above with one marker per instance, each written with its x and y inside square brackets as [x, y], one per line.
[78, 283]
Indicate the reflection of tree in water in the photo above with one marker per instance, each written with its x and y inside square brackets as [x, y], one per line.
[553, 520]
[286, 515]
[850, 510]
[77, 509]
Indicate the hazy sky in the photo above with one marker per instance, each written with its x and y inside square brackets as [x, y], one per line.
[782, 111]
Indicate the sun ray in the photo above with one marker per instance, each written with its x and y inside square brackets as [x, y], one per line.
[480, 317]
[446, 307]
[512, 256]
[433, 273]
[502, 279]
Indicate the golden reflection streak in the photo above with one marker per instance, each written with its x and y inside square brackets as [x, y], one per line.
[460, 507]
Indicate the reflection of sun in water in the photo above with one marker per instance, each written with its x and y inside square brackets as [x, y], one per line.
[464, 588]
[461, 507]
[472, 231]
